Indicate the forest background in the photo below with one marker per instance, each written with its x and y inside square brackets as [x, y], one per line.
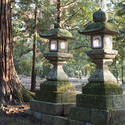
[32, 17]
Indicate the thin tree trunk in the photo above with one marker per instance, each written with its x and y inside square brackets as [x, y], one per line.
[122, 71]
[9, 82]
[33, 78]
[58, 12]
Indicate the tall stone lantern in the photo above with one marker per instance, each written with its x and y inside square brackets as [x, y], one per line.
[102, 101]
[57, 88]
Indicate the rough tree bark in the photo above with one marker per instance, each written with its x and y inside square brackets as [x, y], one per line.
[10, 86]
[33, 78]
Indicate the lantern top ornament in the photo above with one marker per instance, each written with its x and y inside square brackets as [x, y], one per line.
[58, 33]
[99, 16]
[99, 25]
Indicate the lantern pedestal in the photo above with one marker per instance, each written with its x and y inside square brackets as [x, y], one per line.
[58, 60]
[56, 95]
[102, 102]
[102, 59]
[57, 88]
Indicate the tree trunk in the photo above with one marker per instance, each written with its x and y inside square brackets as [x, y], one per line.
[33, 78]
[10, 86]
[58, 11]
[122, 70]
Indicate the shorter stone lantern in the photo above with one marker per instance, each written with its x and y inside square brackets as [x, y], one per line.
[57, 88]
[56, 95]
[102, 101]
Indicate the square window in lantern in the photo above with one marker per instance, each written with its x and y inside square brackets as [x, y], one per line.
[108, 42]
[63, 45]
[53, 45]
[97, 42]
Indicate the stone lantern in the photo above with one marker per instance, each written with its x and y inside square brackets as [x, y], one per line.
[102, 101]
[56, 92]
[102, 52]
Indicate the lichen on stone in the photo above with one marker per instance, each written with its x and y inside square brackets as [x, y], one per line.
[102, 89]
[56, 91]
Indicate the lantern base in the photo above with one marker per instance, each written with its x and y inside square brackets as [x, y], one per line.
[57, 92]
[93, 116]
[100, 104]
[99, 110]
[102, 88]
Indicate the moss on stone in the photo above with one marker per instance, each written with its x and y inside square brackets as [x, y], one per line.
[102, 89]
[24, 95]
[56, 86]
[27, 95]
[56, 91]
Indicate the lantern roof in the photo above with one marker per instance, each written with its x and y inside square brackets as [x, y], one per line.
[99, 25]
[58, 33]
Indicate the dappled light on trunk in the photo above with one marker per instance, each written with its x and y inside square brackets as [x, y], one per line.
[9, 82]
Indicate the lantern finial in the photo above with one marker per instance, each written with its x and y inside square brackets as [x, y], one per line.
[99, 16]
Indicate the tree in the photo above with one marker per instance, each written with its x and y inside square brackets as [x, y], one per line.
[33, 77]
[72, 15]
[120, 23]
[10, 86]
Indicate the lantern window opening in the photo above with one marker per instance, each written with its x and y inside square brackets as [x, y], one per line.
[97, 42]
[63, 45]
[53, 45]
[108, 42]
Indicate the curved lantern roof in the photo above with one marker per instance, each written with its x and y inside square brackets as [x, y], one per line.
[58, 33]
[99, 26]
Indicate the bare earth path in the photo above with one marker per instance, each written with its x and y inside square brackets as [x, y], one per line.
[13, 115]
[26, 80]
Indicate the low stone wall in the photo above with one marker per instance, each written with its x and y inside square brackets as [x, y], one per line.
[54, 120]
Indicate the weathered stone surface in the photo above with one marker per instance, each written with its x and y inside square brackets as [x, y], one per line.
[57, 59]
[102, 89]
[74, 122]
[48, 119]
[47, 107]
[60, 121]
[57, 92]
[67, 107]
[102, 59]
[28, 112]
[37, 115]
[100, 101]
[98, 116]
[51, 108]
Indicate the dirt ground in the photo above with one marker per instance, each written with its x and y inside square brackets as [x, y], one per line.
[14, 115]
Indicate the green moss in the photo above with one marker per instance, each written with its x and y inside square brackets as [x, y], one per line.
[24, 95]
[61, 32]
[27, 95]
[102, 88]
[56, 86]
[55, 91]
